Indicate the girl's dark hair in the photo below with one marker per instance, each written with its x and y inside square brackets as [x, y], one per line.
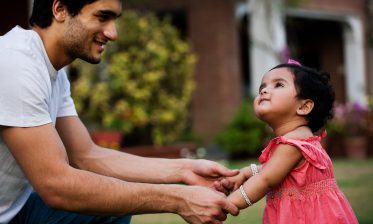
[316, 86]
[42, 15]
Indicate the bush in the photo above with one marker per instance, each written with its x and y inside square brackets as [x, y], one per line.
[349, 119]
[143, 85]
[244, 134]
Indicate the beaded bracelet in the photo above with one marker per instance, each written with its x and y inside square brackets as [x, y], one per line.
[248, 202]
[254, 169]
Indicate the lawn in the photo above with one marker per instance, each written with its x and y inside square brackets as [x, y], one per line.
[355, 179]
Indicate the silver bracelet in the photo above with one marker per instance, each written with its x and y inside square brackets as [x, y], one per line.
[254, 169]
[248, 202]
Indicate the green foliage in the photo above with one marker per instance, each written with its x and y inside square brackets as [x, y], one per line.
[295, 3]
[143, 85]
[244, 134]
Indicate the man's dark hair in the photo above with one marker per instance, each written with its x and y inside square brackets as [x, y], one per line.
[42, 14]
[316, 86]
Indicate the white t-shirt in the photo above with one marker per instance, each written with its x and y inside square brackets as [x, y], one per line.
[32, 93]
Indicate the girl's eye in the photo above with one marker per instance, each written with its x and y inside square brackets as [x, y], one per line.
[279, 84]
[261, 87]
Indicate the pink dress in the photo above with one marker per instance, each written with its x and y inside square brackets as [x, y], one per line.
[309, 194]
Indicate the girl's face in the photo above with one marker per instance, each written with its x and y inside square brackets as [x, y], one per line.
[277, 99]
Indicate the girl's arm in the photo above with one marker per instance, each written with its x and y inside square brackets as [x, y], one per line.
[284, 159]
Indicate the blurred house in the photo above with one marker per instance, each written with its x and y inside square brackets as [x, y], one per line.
[233, 50]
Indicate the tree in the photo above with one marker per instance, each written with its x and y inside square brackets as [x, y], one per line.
[143, 85]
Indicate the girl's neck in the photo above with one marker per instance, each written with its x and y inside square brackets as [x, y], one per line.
[284, 129]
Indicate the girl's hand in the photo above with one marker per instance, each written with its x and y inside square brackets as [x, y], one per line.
[229, 184]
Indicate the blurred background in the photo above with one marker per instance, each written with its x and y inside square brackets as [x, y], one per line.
[180, 79]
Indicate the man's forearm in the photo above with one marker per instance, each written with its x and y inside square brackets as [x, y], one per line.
[133, 168]
[90, 193]
[82, 191]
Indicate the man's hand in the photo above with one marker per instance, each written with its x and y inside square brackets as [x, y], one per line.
[205, 173]
[203, 205]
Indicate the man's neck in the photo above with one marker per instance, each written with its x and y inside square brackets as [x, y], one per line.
[55, 51]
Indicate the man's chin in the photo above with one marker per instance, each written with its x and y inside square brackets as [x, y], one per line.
[90, 59]
[95, 61]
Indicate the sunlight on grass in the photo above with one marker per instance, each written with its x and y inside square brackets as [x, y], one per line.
[355, 179]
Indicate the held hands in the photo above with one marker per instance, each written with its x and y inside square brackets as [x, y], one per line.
[232, 183]
[205, 173]
[203, 205]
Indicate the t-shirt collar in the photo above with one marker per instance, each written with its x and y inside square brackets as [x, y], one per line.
[51, 70]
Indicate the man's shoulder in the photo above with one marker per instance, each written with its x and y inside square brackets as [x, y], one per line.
[20, 42]
[17, 51]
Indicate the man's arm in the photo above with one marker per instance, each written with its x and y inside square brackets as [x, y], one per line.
[84, 154]
[42, 156]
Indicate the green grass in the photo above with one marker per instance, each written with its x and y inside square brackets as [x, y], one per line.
[355, 178]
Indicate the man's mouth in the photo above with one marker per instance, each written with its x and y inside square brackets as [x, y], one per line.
[101, 44]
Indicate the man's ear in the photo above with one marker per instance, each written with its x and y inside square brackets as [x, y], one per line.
[59, 11]
[305, 107]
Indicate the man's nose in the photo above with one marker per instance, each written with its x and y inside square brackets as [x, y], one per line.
[110, 31]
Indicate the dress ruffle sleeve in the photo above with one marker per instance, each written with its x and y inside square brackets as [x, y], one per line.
[310, 152]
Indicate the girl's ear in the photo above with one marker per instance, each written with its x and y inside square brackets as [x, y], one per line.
[59, 11]
[305, 107]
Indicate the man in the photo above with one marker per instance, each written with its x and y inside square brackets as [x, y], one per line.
[43, 143]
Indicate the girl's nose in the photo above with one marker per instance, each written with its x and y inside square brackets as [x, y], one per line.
[263, 91]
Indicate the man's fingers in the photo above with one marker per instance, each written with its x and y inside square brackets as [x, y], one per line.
[215, 222]
[231, 208]
[223, 171]
[222, 216]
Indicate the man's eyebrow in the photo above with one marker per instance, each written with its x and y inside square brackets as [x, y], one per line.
[109, 13]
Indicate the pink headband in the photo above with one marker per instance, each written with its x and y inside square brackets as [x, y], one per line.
[291, 61]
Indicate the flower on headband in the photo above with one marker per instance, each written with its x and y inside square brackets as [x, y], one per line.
[291, 61]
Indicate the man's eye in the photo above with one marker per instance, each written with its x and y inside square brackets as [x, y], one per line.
[103, 18]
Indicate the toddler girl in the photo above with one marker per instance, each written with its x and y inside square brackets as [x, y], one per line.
[296, 173]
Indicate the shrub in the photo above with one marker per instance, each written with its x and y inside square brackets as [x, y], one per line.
[143, 85]
[245, 134]
[349, 119]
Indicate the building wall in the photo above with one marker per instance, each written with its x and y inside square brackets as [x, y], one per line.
[354, 6]
[214, 38]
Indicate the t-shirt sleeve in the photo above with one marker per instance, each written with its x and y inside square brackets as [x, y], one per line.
[67, 107]
[23, 94]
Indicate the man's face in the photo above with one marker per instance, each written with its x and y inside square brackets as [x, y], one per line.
[87, 33]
